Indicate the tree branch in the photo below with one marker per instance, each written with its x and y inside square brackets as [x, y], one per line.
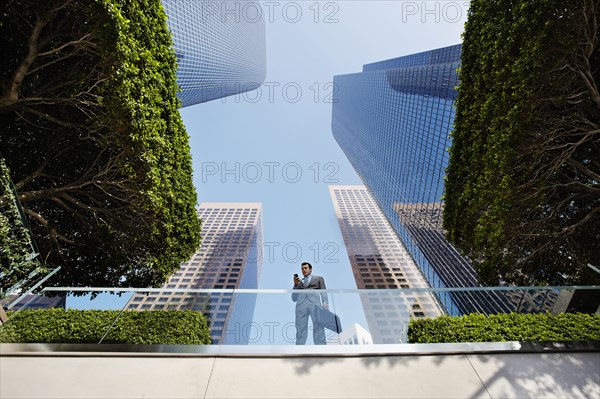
[51, 118]
[82, 40]
[31, 177]
[583, 169]
[51, 230]
[12, 96]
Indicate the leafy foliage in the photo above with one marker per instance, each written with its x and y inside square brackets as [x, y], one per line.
[166, 327]
[523, 183]
[16, 249]
[505, 327]
[94, 140]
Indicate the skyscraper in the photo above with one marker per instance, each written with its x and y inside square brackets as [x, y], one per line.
[220, 47]
[355, 335]
[228, 259]
[379, 260]
[393, 121]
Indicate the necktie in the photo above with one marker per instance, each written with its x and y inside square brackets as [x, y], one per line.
[305, 280]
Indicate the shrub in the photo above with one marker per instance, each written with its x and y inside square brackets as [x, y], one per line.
[505, 327]
[178, 327]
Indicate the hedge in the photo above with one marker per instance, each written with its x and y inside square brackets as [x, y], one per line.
[505, 327]
[177, 327]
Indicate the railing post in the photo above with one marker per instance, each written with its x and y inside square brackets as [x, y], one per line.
[3, 315]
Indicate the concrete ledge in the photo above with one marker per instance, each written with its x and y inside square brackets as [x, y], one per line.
[277, 351]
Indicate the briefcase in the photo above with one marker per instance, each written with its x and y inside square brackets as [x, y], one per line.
[329, 320]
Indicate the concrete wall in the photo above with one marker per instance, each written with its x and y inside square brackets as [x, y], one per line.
[105, 375]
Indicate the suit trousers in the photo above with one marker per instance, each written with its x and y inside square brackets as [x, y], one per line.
[303, 312]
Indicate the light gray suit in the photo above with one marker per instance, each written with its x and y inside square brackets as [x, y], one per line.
[307, 304]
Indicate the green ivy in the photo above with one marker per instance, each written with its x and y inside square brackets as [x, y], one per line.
[514, 78]
[119, 154]
[178, 327]
[505, 327]
[16, 249]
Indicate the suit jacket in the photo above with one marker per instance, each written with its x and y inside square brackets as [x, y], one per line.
[305, 298]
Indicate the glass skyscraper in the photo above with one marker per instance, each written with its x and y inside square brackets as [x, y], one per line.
[393, 121]
[228, 259]
[220, 47]
[379, 260]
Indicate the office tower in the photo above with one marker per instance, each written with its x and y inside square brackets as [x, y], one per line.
[393, 121]
[32, 301]
[220, 47]
[379, 260]
[228, 259]
[355, 335]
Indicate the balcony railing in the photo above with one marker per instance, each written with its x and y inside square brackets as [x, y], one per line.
[273, 318]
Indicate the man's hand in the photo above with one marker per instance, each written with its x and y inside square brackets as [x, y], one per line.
[296, 281]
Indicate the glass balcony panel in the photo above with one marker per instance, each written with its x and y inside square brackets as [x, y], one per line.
[273, 318]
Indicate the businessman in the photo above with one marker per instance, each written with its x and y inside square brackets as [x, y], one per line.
[308, 304]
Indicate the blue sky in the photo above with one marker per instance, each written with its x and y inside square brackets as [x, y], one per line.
[275, 145]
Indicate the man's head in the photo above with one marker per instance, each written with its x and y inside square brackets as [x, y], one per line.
[306, 268]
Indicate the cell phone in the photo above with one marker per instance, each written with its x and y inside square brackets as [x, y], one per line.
[295, 275]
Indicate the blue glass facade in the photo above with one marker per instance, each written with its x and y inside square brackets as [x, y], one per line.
[393, 121]
[220, 47]
[444, 55]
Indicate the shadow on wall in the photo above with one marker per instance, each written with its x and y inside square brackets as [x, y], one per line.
[518, 375]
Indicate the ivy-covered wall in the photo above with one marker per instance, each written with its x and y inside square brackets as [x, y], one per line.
[94, 141]
[523, 184]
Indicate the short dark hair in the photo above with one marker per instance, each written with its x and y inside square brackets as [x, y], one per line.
[306, 263]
